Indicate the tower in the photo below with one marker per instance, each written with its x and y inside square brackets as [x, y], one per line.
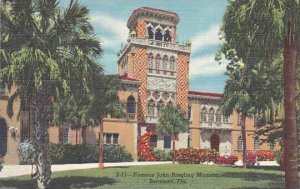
[154, 58]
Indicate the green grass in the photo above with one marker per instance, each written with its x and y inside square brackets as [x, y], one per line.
[225, 177]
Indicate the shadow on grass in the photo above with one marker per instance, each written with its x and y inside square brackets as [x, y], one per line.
[269, 168]
[60, 183]
[254, 176]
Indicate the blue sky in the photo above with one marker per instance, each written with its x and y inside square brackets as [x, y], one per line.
[200, 21]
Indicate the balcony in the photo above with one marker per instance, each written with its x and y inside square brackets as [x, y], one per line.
[156, 43]
[216, 125]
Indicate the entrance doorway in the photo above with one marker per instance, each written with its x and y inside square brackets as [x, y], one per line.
[215, 142]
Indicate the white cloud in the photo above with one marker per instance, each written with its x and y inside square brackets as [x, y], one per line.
[207, 38]
[206, 66]
[115, 33]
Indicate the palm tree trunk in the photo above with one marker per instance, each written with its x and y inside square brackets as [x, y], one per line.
[291, 141]
[243, 121]
[42, 163]
[101, 158]
[173, 148]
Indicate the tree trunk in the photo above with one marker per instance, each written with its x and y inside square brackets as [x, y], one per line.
[83, 133]
[243, 121]
[173, 147]
[291, 141]
[101, 158]
[42, 163]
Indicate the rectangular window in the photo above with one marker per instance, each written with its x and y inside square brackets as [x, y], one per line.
[167, 141]
[240, 144]
[153, 141]
[111, 138]
[256, 144]
[66, 134]
[115, 138]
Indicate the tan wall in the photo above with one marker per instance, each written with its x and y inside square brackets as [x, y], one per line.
[195, 124]
[12, 142]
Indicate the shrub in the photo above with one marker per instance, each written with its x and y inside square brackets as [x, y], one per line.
[26, 152]
[1, 162]
[227, 160]
[87, 153]
[278, 157]
[264, 155]
[251, 158]
[195, 156]
[162, 155]
[116, 153]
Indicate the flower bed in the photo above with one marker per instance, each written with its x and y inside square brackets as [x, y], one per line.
[227, 160]
[195, 156]
[265, 155]
[251, 158]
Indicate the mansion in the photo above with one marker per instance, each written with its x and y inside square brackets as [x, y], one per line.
[154, 72]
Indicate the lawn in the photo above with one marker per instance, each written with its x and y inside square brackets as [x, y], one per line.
[159, 176]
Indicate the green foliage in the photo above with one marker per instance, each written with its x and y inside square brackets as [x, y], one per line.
[278, 156]
[162, 155]
[196, 156]
[87, 153]
[26, 152]
[172, 120]
[116, 153]
[1, 162]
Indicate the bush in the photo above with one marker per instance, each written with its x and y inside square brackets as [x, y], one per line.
[87, 153]
[265, 155]
[1, 162]
[195, 156]
[26, 152]
[278, 157]
[116, 153]
[251, 158]
[162, 155]
[227, 160]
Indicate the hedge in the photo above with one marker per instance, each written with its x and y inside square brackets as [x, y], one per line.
[195, 156]
[80, 153]
[227, 160]
[162, 155]
[265, 155]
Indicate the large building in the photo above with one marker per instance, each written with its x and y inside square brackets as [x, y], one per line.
[154, 71]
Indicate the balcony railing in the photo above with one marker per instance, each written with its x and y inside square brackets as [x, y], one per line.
[152, 119]
[156, 43]
[215, 125]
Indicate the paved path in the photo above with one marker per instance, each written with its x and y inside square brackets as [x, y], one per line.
[17, 170]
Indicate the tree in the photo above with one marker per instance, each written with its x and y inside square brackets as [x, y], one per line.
[172, 121]
[47, 52]
[255, 30]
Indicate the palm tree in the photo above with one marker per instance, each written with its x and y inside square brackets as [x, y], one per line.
[172, 121]
[264, 24]
[47, 52]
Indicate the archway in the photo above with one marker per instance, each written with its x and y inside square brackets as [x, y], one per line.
[3, 137]
[215, 142]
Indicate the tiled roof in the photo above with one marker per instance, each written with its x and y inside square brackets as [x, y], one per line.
[205, 94]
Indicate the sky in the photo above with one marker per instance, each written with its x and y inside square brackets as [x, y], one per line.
[200, 21]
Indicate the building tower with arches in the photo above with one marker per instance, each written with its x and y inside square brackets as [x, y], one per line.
[153, 57]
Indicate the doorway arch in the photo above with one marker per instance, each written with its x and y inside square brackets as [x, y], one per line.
[215, 142]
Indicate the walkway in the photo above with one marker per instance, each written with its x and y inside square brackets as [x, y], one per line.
[17, 170]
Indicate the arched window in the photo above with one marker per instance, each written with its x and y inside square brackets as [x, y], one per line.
[131, 105]
[151, 105]
[3, 137]
[165, 64]
[218, 116]
[157, 63]
[158, 35]
[240, 144]
[211, 115]
[172, 65]
[160, 106]
[167, 36]
[204, 115]
[150, 62]
[150, 33]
